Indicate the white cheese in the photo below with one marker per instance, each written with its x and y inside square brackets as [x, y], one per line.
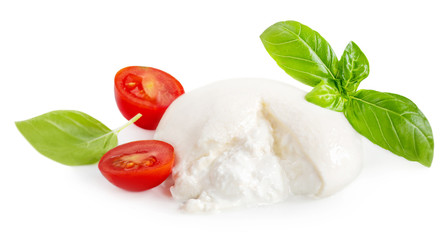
[249, 142]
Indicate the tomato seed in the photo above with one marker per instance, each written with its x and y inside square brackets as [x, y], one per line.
[130, 84]
[150, 161]
[129, 165]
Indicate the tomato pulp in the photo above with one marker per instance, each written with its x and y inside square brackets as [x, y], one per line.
[139, 165]
[145, 90]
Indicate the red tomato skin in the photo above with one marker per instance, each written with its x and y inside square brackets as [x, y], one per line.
[130, 105]
[144, 178]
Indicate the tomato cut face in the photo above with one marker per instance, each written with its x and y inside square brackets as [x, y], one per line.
[139, 165]
[145, 90]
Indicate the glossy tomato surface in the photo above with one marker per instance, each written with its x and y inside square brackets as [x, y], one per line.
[145, 90]
[139, 165]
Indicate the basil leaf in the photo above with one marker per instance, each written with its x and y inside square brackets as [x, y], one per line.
[393, 122]
[301, 52]
[68, 137]
[326, 95]
[353, 67]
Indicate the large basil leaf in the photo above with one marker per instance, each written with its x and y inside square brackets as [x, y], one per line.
[326, 95]
[301, 52]
[68, 137]
[353, 67]
[392, 122]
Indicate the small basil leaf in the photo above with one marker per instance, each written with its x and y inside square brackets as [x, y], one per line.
[301, 52]
[353, 67]
[393, 122]
[68, 137]
[326, 95]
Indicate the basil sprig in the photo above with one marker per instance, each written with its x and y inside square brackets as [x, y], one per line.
[70, 137]
[389, 120]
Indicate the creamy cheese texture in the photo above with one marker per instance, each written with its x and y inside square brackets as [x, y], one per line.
[250, 142]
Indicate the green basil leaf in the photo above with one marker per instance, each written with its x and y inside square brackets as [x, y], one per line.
[393, 122]
[353, 67]
[301, 52]
[326, 95]
[68, 137]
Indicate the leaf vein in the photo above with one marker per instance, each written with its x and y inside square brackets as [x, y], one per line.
[297, 58]
[381, 130]
[396, 132]
[308, 73]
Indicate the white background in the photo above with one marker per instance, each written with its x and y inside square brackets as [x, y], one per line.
[63, 55]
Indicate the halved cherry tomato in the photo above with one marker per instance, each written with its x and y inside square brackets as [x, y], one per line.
[145, 90]
[139, 165]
